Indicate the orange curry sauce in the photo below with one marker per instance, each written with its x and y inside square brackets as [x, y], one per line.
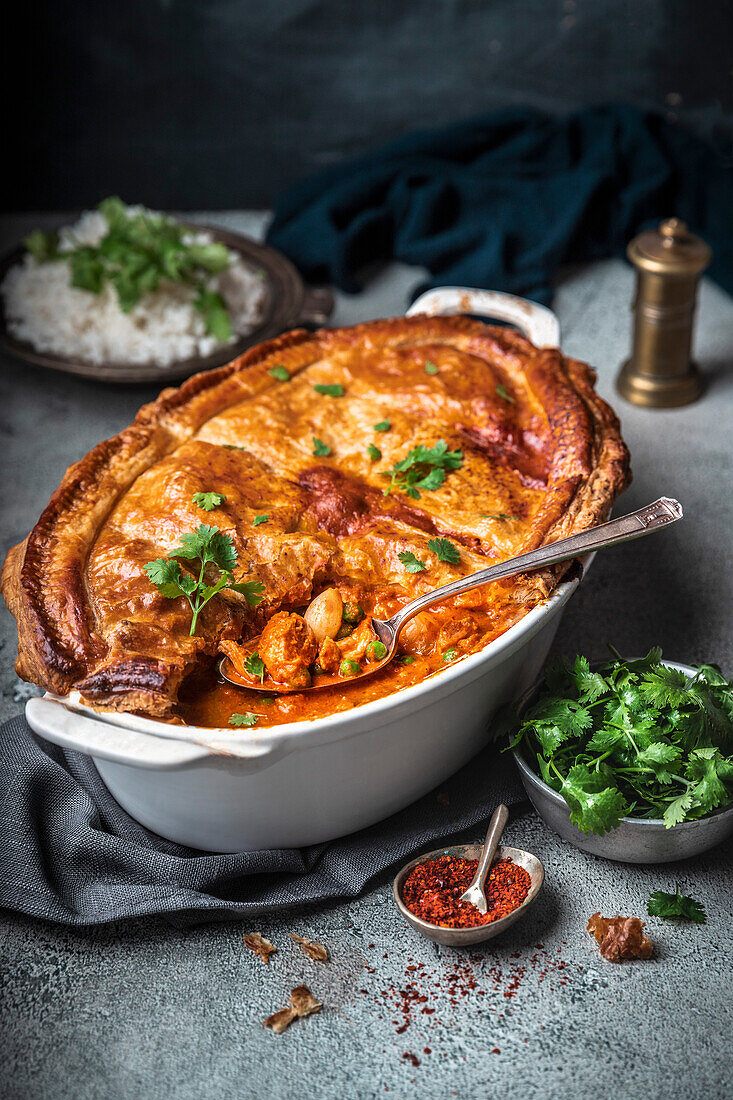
[431, 642]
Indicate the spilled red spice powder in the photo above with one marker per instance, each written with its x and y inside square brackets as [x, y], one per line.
[432, 891]
[417, 1006]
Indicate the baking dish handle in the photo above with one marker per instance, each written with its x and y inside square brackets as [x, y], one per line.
[538, 323]
[69, 728]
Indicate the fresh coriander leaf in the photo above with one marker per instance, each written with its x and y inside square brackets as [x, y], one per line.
[712, 675]
[213, 309]
[166, 576]
[221, 551]
[320, 448]
[213, 257]
[410, 562]
[709, 792]
[335, 390]
[43, 246]
[251, 590]
[232, 447]
[114, 211]
[374, 452]
[549, 777]
[677, 810]
[502, 391]
[657, 756]
[255, 666]
[208, 501]
[606, 740]
[590, 684]
[450, 655]
[188, 584]
[382, 426]
[247, 719]
[280, 373]
[679, 905]
[445, 550]
[88, 273]
[497, 515]
[595, 807]
[664, 687]
[260, 519]
[432, 480]
[567, 714]
[194, 543]
[430, 368]
[550, 737]
[423, 468]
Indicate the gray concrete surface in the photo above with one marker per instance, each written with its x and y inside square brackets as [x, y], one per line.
[147, 1010]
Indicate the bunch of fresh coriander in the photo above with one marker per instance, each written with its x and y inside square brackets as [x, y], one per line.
[138, 251]
[424, 468]
[211, 552]
[632, 738]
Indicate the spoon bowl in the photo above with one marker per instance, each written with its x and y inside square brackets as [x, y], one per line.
[658, 514]
[464, 937]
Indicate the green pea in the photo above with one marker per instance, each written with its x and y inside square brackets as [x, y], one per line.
[353, 613]
[376, 650]
[349, 668]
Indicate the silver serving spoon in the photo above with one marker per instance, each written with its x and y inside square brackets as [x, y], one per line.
[632, 526]
[475, 892]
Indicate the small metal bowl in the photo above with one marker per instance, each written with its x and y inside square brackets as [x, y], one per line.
[637, 839]
[464, 937]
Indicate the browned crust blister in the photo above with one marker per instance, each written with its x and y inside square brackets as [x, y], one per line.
[43, 578]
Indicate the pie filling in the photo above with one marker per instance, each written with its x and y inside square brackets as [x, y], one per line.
[316, 483]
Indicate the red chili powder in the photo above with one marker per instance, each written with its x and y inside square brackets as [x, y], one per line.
[432, 891]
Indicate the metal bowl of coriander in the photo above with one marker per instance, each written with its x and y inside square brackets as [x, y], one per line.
[647, 839]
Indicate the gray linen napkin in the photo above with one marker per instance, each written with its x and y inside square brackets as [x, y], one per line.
[69, 853]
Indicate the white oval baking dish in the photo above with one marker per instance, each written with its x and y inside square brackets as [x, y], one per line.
[308, 782]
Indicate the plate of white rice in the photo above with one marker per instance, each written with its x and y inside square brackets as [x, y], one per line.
[46, 320]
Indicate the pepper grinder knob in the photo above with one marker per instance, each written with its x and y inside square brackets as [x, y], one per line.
[669, 261]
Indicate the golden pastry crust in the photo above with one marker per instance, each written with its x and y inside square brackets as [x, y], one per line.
[551, 455]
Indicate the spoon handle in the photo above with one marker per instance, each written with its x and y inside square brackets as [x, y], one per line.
[496, 827]
[632, 526]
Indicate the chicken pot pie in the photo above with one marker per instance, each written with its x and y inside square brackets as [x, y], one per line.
[316, 481]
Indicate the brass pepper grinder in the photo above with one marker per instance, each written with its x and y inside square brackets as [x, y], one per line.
[669, 262]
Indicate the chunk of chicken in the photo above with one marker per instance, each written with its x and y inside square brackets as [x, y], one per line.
[288, 647]
[329, 655]
[355, 645]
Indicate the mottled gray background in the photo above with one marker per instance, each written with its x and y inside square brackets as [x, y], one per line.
[221, 103]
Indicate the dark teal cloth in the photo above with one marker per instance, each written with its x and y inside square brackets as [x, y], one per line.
[503, 200]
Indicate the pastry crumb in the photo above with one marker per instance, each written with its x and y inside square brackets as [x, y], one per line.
[262, 947]
[620, 937]
[313, 950]
[302, 1003]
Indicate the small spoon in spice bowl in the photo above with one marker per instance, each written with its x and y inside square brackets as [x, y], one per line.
[518, 877]
[475, 893]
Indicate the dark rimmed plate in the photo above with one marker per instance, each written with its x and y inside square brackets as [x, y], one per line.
[289, 304]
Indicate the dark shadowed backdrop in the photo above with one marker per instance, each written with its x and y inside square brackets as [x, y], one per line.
[222, 103]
